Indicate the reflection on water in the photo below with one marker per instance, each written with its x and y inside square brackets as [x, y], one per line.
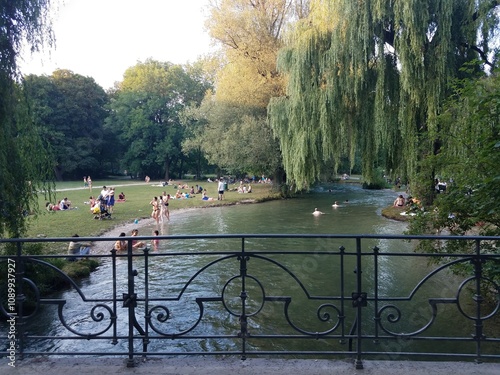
[358, 213]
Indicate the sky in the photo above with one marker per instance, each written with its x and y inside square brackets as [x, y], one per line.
[102, 38]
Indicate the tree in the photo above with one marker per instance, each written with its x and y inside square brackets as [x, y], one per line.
[144, 113]
[468, 159]
[70, 110]
[369, 77]
[22, 174]
[232, 137]
[250, 35]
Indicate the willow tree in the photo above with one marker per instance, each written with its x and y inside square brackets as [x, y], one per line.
[22, 174]
[368, 78]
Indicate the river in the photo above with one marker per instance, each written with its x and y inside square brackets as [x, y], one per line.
[358, 212]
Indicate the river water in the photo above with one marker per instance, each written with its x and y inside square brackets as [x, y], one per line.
[359, 212]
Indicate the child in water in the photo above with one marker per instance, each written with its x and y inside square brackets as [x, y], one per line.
[155, 242]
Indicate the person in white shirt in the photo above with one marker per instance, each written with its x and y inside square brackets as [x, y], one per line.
[104, 192]
[220, 188]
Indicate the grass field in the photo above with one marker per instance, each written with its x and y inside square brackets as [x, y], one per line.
[138, 195]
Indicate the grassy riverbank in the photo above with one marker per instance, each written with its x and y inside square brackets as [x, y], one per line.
[138, 195]
[394, 213]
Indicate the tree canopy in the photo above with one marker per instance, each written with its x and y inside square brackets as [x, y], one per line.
[22, 174]
[145, 112]
[467, 162]
[237, 131]
[369, 78]
[235, 138]
[69, 110]
[468, 159]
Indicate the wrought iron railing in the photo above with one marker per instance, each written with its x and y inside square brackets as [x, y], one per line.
[321, 296]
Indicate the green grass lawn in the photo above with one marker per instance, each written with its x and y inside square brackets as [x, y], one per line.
[138, 195]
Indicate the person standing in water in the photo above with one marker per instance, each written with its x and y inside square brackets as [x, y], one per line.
[317, 212]
[155, 242]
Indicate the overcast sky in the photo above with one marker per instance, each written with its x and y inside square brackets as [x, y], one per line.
[102, 38]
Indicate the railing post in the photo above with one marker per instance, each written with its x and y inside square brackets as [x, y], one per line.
[114, 317]
[375, 292]
[130, 302]
[243, 297]
[478, 272]
[342, 292]
[147, 316]
[358, 301]
[20, 299]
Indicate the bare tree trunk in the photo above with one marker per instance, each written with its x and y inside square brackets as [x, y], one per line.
[167, 169]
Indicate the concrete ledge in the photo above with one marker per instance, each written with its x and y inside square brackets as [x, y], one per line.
[232, 366]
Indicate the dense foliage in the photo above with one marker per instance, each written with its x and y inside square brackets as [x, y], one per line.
[144, 117]
[468, 159]
[369, 77]
[250, 34]
[469, 130]
[69, 111]
[22, 174]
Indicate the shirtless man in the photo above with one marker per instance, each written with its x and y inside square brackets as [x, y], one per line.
[399, 202]
[317, 212]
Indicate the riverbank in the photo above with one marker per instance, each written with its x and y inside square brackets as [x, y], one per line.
[395, 213]
[134, 212]
[136, 206]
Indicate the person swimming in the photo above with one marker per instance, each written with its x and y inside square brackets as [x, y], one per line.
[336, 204]
[317, 212]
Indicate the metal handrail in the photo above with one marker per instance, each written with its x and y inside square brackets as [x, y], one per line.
[357, 313]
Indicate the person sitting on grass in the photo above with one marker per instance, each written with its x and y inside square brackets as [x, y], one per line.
[96, 208]
[63, 205]
[204, 196]
[399, 202]
[76, 247]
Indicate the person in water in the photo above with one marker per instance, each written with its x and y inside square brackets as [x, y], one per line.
[317, 212]
[135, 243]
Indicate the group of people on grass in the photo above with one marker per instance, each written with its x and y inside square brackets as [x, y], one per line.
[411, 202]
[105, 200]
[62, 205]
